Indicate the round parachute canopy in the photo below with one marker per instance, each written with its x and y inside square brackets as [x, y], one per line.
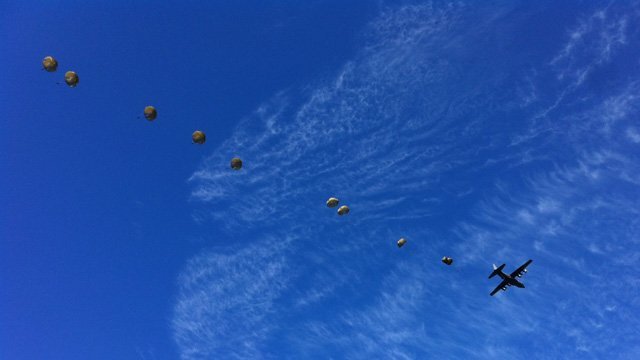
[343, 210]
[332, 202]
[401, 242]
[198, 137]
[447, 260]
[71, 78]
[236, 163]
[50, 64]
[150, 113]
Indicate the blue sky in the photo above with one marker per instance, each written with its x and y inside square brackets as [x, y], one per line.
[490, 133]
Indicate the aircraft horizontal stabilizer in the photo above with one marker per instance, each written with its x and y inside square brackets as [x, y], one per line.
[496, 270]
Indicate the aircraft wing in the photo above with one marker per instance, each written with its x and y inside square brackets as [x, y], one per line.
[499, 287]
[519, 270]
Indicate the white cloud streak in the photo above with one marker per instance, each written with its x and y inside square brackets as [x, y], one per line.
[225, 300]
[410, 126]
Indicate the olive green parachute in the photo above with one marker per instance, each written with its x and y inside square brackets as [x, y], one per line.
[332, 202]
[447, 260]
[401, 242]
[343, 210]
[236, 163]
[198, 137]
[71, 78]
[150, 113]
[50, 64]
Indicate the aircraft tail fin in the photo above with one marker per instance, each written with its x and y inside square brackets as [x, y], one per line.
[496, 270]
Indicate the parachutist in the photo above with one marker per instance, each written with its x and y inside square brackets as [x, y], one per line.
[150, 113]
[332, 202]
[236, 163]
[71, 78]
[49, 64]
[343, 210]
[198, 137]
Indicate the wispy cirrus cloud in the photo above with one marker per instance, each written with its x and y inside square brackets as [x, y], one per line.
[588, 51]
[578, 228]
[423, 139]
[578, 216]
[390, 98]
[633, 134]
[363, 136]
[591, 43]
[225, 301]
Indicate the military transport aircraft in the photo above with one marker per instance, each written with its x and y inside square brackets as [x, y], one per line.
[509, 280]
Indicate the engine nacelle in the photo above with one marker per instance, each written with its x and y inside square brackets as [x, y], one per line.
[504, 288]
[525, 270]
[519, 275]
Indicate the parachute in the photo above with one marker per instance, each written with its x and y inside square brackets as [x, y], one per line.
[50, 64]
[343, 210]
[71, 78]
[332, 202]
[447, 260]
[401, 242]
[236, 163]
[150, 113]
[198, 137]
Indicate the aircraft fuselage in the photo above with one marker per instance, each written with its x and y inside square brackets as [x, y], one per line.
[511, 281]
